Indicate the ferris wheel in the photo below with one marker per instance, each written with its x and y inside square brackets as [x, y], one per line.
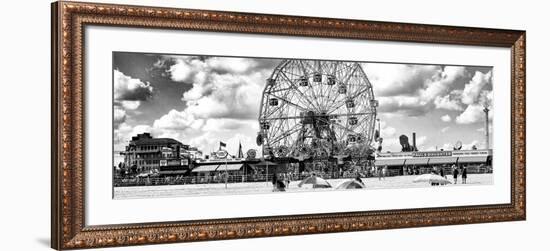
[316, 108]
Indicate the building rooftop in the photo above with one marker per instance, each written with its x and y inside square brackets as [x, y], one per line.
[147, 139]
[158, 141]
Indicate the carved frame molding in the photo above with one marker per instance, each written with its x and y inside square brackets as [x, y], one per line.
[68, 22]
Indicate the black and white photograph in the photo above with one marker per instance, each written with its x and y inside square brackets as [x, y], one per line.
[196, 125]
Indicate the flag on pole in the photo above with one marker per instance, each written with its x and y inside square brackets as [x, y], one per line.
[222, 144]
[240, 153]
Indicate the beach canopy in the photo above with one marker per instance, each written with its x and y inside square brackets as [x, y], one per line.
[431, 178]
[351, 184]
[317, 182]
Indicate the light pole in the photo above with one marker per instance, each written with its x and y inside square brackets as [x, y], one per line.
[486, 111]
[378, 120]
[226, 175]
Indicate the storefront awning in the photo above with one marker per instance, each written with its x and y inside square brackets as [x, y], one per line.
[205, 168]
[473, 159]
[173, 172]
[416, 162]
[230, 167]
[389, 162]
[442, 160]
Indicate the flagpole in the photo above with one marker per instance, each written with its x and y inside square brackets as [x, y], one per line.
[226, 176]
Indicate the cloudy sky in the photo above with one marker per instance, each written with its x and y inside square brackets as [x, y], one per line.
[202, 100]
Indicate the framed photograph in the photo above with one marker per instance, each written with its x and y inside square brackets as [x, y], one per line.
[177, 125]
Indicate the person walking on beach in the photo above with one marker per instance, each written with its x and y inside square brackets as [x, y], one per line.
[278, 185]
[455, 173]
[464, 175]
[442, 173]
[384, 172]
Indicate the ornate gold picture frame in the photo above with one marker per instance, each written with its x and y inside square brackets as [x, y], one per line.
[69, 230]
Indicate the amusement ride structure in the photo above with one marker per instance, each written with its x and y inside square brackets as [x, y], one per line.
[317, 109]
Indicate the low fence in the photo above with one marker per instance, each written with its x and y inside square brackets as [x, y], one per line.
[181, 180]
[184, 180]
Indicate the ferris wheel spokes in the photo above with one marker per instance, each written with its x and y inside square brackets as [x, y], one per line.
[322, 106]
[297, 89]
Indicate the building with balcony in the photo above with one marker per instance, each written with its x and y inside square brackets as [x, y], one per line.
[145, 153]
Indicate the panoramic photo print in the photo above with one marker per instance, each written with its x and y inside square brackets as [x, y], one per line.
[199, 125]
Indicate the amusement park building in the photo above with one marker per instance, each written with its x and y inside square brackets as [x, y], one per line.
[147, 153]
[434, 158]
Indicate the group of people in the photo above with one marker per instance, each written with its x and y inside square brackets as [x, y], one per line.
[457, 171]
[381, 172]
[463, 172]
[282, 180]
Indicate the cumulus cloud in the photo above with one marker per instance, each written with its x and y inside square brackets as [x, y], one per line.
[441, 83]
[473, 89]
[486, 98]
[386, 131]
[222, 103]
[447, 146]
[130, 89]
[128, 104]
[229, 124]
[391, 144]
[482, 129]
[231, 65]
[206, 134]
[128, 94]
[398, 79]
[226, 96]
[450, 101]
[178, 120]
[222, 87]
[420, 141]
[446, 118]
[119, 116]
[192, 69]
[445, 129]
[202, 133]
[414, 90]
[473, 113]
[476, 98]
[183, 69]
[408, 105]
